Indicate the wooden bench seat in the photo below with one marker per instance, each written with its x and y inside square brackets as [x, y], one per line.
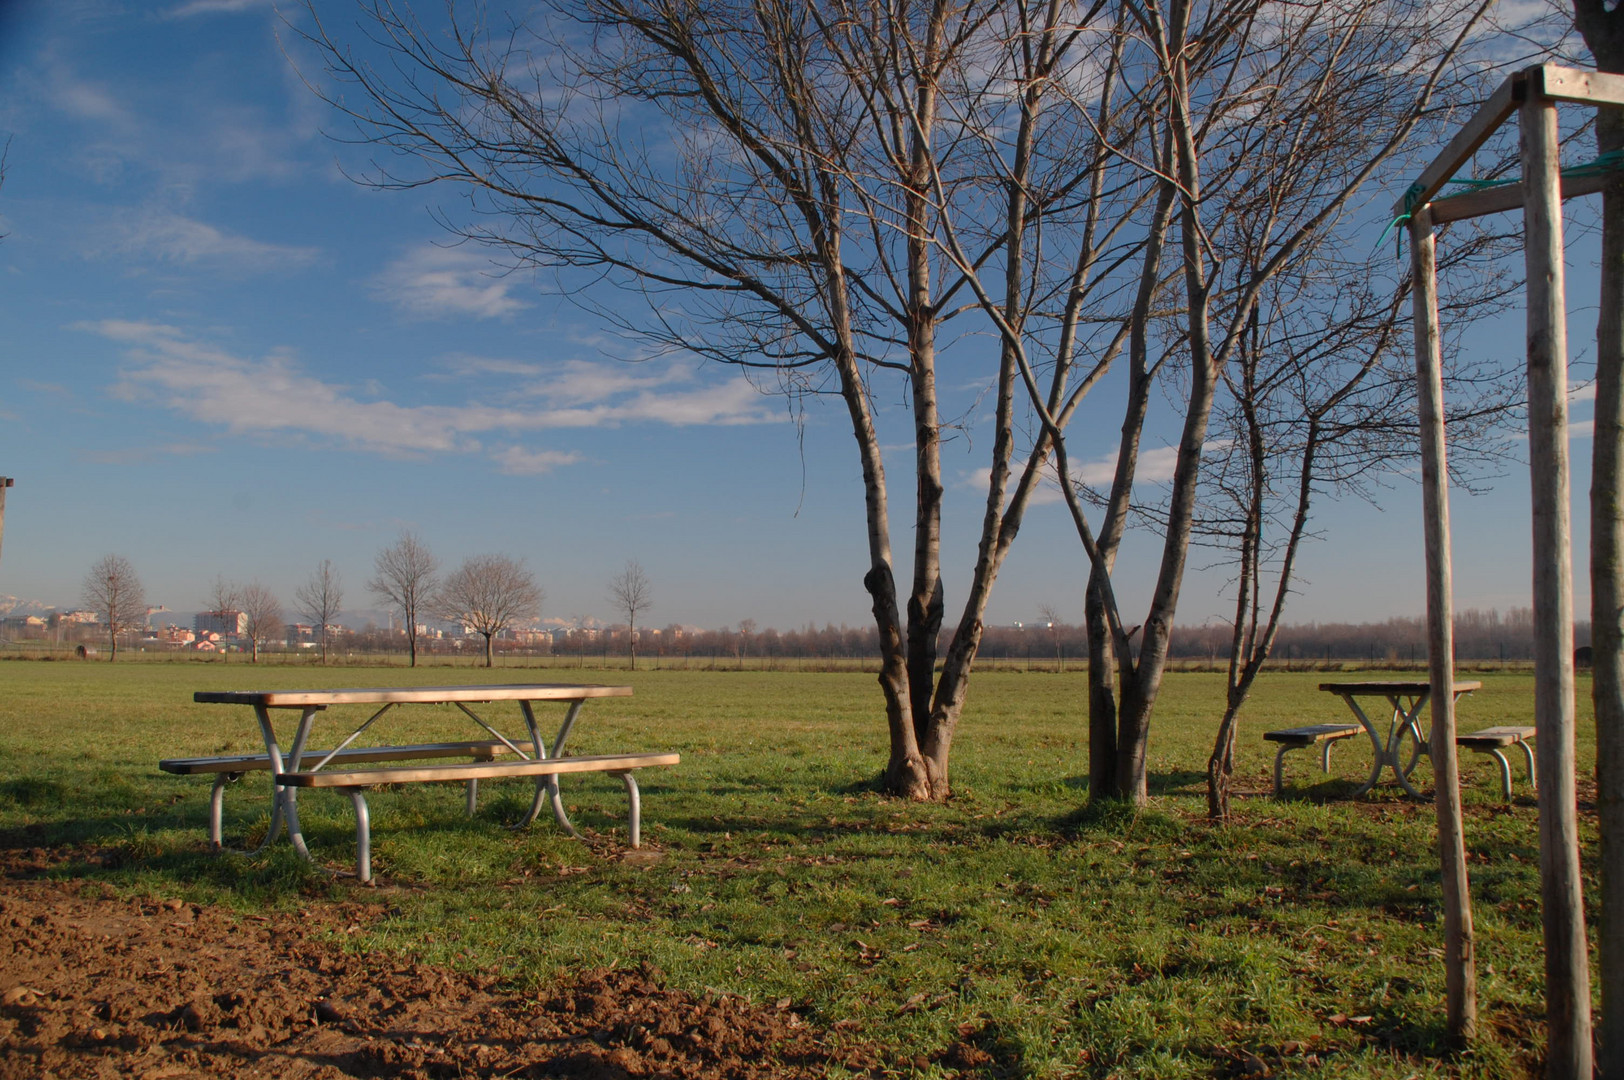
[229, 768]
[353, 782]
[1493, 741]
[1298, 738]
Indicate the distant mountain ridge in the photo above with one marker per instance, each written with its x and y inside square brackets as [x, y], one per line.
[16, 605]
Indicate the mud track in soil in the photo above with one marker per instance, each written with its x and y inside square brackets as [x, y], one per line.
[94, 985]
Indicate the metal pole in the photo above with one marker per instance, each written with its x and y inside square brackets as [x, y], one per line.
[1460, 950]
[5, 482]
[1567, 968]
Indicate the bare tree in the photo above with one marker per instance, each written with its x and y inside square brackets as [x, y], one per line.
[631, 592]
[320, 599]
[1318, 400]
[262, 614]
[403, 577]
[113, 591]
[489, 594]
[224, 602]
[1051, 619]
[1234, 94]
[816, 153]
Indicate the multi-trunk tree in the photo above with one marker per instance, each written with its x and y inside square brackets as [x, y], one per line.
[773, 178]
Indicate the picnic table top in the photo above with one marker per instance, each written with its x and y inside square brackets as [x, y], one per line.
[1394, 687]
[404, 695]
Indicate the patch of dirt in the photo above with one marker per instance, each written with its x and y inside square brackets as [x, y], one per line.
[93, 985]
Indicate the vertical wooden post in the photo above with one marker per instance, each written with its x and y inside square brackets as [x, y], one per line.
[1460, 947]
[1567, 968]
[5, 482]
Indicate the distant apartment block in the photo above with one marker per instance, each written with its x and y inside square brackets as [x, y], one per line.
[226, 622]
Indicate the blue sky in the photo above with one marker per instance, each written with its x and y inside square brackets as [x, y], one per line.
[218, 355]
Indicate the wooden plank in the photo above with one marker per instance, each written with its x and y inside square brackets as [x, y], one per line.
[410, 695]
[1496, 736]
[1460, 941]
[1577, 84]
[477, 770]
[1392, 687]
[1476, 131]
[262, 762]
[1569, 1055]
[1307, 736]
[1471, 204]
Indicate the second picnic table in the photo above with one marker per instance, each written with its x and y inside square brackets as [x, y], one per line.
[291, 771]
[1406, 700]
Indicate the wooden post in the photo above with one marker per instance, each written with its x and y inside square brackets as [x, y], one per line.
[1460, 948]
[1567, 969]
[5, 482]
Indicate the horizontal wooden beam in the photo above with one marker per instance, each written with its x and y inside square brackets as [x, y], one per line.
[1575, 84]
[1487, 120]
[1473, 204]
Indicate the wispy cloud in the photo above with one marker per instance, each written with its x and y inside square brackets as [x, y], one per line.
[522, 461]
[215, 7]
[170, 237]
[1156, 466]
[434, 282]
[273, 395]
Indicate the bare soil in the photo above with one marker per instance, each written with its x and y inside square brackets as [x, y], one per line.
[97, 985]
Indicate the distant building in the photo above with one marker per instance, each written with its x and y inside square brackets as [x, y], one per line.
[227, 622]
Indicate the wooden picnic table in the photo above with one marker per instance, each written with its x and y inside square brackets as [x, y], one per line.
[1406, 699]
[311, 703]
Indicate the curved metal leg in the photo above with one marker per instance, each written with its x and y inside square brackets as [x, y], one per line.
[636, 826]
[1406, 724]
[547, 786]
[1279, 760]
[1505, 770]
[363, 835]
[216, 798]
[1325, 755]
[1377, 747]
[1528, 755]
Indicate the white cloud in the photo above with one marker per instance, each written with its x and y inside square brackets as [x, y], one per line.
[521, 461]
[435, 282]
[214, 7]
[172, 238]
[1156, 465]
[273, 395]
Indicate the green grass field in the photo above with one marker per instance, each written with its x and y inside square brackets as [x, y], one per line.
[1065, 941]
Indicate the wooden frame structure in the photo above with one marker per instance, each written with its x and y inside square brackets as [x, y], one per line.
[1533, 95]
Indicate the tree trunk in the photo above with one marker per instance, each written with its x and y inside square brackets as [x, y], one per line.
[1221, 763]
[1607, 607]
[1102, 719]
[490, 655]
[1603, 31]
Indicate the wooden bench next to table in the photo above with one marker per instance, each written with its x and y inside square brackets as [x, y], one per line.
[1298, 738]
[1493, 741]
[352, 782]
[230, 768]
